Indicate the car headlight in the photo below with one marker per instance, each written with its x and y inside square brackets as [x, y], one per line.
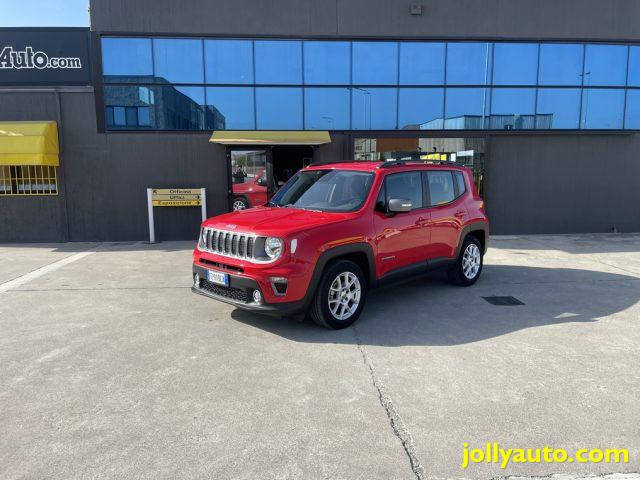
[273, 247]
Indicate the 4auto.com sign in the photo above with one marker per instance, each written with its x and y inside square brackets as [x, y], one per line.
[27, 58]
[47, 56]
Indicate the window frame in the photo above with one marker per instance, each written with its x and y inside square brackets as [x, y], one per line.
[383, 188]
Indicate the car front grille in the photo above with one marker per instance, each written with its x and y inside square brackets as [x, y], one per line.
[232, 293]
[229, 244]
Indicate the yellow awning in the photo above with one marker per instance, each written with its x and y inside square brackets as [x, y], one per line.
[29, 143]
[270, 137]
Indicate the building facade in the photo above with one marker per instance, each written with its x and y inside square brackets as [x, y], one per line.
[540, 98]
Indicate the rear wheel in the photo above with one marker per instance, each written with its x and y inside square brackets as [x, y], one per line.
[340, 297]
[468, 267]
[240, 203]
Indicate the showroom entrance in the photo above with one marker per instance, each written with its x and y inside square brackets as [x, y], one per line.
[256, 174]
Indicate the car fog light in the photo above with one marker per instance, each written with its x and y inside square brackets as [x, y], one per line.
[279, 285]
[196, 280]
[257, 296]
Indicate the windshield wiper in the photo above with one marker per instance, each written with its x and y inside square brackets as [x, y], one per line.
[291, 205]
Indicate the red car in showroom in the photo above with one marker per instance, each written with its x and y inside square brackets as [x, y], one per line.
[335, 231]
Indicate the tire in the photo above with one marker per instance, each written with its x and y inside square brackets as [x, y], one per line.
[329, 305]
[468, 266]
[239, 203]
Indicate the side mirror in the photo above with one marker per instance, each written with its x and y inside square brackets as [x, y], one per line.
[398, 205]
[262, 182]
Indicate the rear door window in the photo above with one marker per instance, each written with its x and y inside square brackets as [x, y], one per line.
[441, 187]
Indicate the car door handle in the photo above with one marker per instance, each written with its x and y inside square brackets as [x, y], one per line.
[422, 221]
[460, 213]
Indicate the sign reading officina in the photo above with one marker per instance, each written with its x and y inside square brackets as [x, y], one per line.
[44, 56]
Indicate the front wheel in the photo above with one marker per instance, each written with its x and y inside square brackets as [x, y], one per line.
[468, 267]
[340, 297]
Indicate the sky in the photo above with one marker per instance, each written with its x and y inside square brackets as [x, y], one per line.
[44, 13]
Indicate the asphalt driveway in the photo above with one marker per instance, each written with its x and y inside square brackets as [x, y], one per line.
[112, 368]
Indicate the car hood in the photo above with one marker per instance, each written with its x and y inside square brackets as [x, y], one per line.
[276, 221]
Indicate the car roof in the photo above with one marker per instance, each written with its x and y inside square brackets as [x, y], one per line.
[367, 166]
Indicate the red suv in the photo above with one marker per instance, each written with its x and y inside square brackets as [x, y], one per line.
[334, 231]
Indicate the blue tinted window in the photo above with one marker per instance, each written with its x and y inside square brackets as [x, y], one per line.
[634, 66]
[373, 108]
[558, 108]
[632, 117]
[326, 109]
[464, 108]
[117, 99]
[180, 108]
[420, 108]
[513, 108]
[327, 63]
[228, 61]
[605, 65]
[467, 63]
[278, 61]
[178, 60]
[375, 63]
[602, 108]
[279, 108]
[515, 63]
[230, 108]
[421, 63]
[561, 64]
[126, 59]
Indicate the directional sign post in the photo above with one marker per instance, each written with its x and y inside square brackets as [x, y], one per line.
[174, 197]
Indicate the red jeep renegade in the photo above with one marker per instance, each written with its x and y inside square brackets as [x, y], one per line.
[336, 230]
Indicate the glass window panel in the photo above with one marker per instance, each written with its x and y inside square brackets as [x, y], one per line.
[464, 108]
[561, 64]
[180, 108]
[375, 63]
[230, 108]
[228, 61]
[326, 108]
[119, 116]
[634, 67]
[515, 63]
[279, 108]
[632, 117]
[513, 108]
[373, 108]
[405, 186]
[178, 60]
[126, 59]
[278, 61]
[132, 116]
[558, 108]
[467, 63]
[118, 99]
[602, 108]
[422, 63]
[441, 189]
[420, 108]
[327, 63]
[605, 65]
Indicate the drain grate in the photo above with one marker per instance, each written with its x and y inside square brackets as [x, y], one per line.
[503, 301]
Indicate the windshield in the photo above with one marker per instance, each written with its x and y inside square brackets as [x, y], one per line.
[325, 190]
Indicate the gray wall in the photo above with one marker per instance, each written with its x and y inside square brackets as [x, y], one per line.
[563, 183]
[593, 19]
[104, 177]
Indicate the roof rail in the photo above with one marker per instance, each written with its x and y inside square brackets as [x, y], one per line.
[400, 163]
[319, 164]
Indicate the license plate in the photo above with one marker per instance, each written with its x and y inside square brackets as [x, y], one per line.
[218, 277]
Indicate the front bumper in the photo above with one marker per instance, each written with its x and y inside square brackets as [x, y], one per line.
[239, 293]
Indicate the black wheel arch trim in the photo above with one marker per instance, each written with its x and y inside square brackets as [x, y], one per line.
[335, 253]
[474, 227]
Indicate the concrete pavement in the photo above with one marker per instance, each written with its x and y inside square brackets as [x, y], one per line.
[112, 368]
